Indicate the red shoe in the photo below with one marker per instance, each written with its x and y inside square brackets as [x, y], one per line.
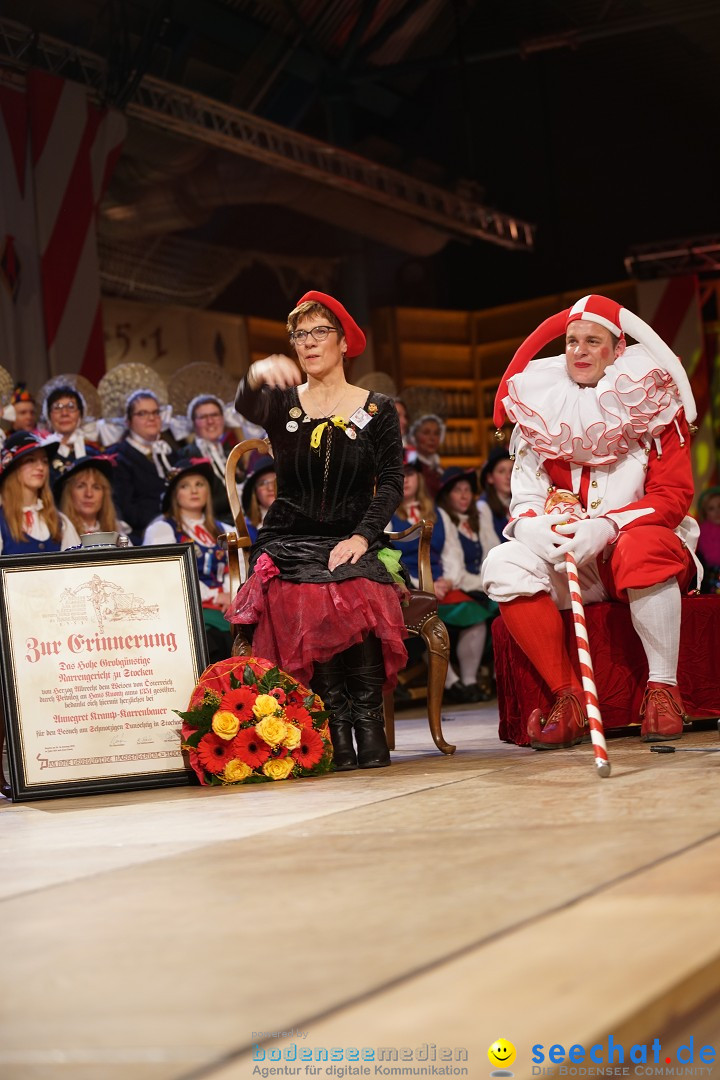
[566, 724]
[663, 713]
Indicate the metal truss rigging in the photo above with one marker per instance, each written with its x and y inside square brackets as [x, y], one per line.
[691, 255]
[197, 117]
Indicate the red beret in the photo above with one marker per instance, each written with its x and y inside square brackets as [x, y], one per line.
[353, 334]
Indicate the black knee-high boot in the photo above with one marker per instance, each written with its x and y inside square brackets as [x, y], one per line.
[328, 680]
[364, 678]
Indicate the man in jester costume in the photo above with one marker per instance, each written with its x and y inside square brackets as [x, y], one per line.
[602, 468]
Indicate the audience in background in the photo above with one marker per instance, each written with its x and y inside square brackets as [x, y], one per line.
[494, 504]
[21, 411]
[29, 520]
[145, 472]
[464, 616]
[258, 494]
[64, 411]
[144, 461]
[84, 494]
[427, 435]
[212, 440]
[404, 418]
[708, 549]
[456, 497]
[187, 517]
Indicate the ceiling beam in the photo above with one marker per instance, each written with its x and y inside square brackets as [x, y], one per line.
[562, 39]
[194, 116]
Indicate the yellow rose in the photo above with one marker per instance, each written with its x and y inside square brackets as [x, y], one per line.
[265, 705]
[236, 770]
[278, 768]
[272, 729]
[225, 724]
[293, 738]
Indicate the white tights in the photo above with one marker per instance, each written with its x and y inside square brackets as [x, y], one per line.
[655, 614]
[470, 647]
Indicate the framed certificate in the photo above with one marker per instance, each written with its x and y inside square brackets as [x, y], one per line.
[99, 646]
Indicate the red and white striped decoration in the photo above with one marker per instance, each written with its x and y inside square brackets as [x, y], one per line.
[673, 308]
[60, 150]
[592, 704]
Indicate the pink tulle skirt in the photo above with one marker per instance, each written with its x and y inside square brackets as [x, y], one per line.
[299, 625]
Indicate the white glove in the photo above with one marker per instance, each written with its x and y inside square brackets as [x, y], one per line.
[537, 534]
[587, 538]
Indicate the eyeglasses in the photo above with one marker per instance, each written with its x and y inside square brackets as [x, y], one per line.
[63, 406]
[317, 333]
[142, 413]
[269, 483]
[209, 416]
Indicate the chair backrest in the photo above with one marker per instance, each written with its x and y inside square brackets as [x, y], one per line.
[238, 541]
[425, 528]
[422, 603]
[234, 457]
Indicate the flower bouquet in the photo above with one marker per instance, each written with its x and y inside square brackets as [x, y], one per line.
[249, 722]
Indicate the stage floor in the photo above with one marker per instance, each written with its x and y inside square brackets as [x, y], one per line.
[444, 903]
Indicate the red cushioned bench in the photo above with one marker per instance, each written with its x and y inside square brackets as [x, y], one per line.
[620, 667]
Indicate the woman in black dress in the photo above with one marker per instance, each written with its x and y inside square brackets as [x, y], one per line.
[324, 606]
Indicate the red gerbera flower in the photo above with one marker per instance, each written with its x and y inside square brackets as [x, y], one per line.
[298, 714]
[213, 752]
[278, 693]
[240, 702]
[310, 750]
[250, 748]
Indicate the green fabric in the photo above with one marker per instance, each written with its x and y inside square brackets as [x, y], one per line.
[215, 619]
[466, 613]
[390, 558]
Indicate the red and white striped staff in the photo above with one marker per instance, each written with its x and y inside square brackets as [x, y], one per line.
[597, 732]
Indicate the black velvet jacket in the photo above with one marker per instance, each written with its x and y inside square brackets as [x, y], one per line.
[349, 485]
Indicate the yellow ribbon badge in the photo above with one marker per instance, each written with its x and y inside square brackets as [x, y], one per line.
[316, 433]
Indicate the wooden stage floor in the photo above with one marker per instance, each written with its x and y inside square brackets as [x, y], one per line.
[439, 905]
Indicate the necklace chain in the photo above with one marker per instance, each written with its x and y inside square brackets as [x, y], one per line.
[331, 412]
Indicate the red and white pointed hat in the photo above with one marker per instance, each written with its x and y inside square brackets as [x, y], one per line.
[619, 321]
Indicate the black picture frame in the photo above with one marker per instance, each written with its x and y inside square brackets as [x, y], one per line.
[149, 596]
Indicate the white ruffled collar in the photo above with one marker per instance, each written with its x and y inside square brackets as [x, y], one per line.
[592, 425]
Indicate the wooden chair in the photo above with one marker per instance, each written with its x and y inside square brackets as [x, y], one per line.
[239, 542]
[422, 620]
[421, 617]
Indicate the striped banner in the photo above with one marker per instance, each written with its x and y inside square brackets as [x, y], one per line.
[60, 152]
[22, 337]
[672, 307]
[592, 703]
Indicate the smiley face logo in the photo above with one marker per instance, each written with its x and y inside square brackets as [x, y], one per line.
[501, 1054]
